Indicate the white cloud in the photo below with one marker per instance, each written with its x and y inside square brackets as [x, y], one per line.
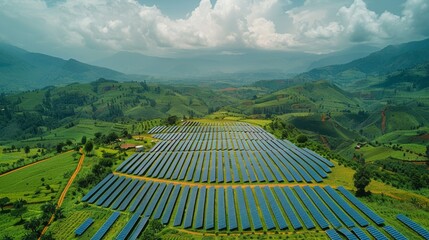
[315, 26]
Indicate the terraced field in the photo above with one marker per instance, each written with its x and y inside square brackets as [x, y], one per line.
[231, 177]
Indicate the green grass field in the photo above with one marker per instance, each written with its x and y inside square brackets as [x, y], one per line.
[27, 183]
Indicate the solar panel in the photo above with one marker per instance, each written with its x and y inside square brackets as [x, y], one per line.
[394, 233]
[347, 234]
[84, 226]
[181, 207]
[103, 189]
[146, 199]
[117, 192]
[257, 225]
[368, 212]
[106, 226]
[209, 213]
[244, 217]
[298, 207]
[170, 206]
[296, 224]
[163, 201]
[186, 164]
[128, 227]
[322, 207]
[110, 191]
[228, 177]
[360, 233]
[221, 217]
[199, 216]
[96, 188]
[333, 235]
[255, 165]
[376, 233]
[278, 215]
[347, 208]
[232, 216]
[140, 226]
[190, 208]
[140, 196]
[334, 207]
[413, 225]
[310, 206]
[154, 200]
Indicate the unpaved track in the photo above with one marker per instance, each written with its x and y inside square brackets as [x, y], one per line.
[64, 193]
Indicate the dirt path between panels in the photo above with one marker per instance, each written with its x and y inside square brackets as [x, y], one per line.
[64, 193]
[32, 164]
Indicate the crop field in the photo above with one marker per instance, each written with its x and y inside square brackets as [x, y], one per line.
[40, 182]
[211, 178]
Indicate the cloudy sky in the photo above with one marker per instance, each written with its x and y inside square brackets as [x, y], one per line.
[91, 29]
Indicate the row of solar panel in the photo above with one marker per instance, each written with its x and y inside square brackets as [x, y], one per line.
[357, 233]
[242, 127]
[215, 136]
[225, 166]
[196, 206]
[206, 145]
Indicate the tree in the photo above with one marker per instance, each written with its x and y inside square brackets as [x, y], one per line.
[3, 202]
[83, 140]
[60, 147]
[89, 146]
[171, 120]
[27, 150]
[302, 138]
[18, 212]
[34, 225]
[48, 209]
[361, 179]
[6, 237]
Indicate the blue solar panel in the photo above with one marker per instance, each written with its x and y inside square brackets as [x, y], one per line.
[199, 167]
[106, 226]
[333, 235]
[242, 167]
[334, 207]
[191, 206]
[212, 167]
[287, 208]
[178, 167]
[280, 218]
[257, 167]
[282, 168]
[140, 226]
[288, 164]
[271, 166]
[368, 212]
[264, 209]
[313, 210]
[347, 208]
[140, 196]
[248, 166]
[155, 200]
[376, 233]
[192, 166]
[128, 227]
[257, 225]
[228, 177]
[232, 216]
[323, 208]
[170, 206]
[244, 217]
[360, 233]
[117, 192]
[110, 191]
[181, 207]
[163, 201]
[186, 165]
[96, 188]
[204, 178]
[103, 189]
[347, 234]
[220, 167]
[84, 226]
[221, 217]
[199, 217]
[394, 233]
[299, 209]
[171, 166]
[209, 214]
[413, 225]
[128, 161]
[146, 199]
[128, 195]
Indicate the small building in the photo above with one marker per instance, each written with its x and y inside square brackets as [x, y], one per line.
[139, 148]
[127, 146]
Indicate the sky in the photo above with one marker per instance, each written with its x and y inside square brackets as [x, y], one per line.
[91, 29]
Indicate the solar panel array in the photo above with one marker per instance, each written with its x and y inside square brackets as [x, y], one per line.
[413, 225]
[224, 154]
[84, 226]
[216, 177]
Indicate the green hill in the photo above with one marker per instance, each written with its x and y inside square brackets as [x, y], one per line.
[387, 60]
[22, 70]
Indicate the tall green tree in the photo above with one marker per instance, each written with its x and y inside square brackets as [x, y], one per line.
[27, 150]
[361, 179]
[83, 140]
[3, 202]
[88, 147]
[19, 209]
